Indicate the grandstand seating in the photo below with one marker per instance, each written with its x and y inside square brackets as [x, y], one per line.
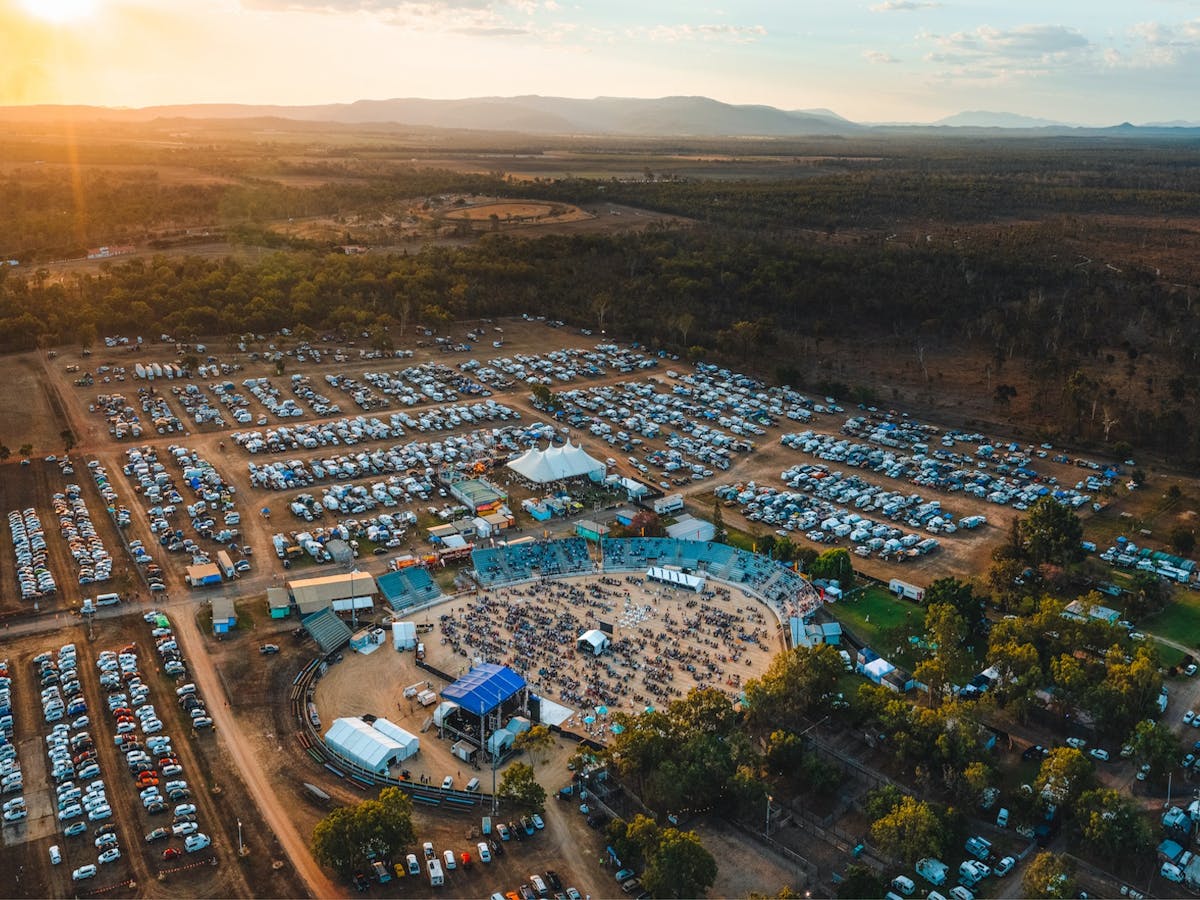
[519, 562]
[330, 632]
[408, 587]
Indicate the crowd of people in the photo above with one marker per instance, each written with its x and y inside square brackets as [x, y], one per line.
[665, 641]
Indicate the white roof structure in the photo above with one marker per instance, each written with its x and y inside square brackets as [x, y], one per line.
[676, 578]
[595, 639]
[406, 739]
[877, 668]
[404, 635]
[363, 745]
[556, 464]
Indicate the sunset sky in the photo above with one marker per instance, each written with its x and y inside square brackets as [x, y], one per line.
[1087, 61]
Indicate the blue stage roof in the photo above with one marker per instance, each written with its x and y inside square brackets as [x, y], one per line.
[484, 688]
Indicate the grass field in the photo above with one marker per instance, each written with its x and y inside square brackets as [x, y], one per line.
[873, 610]
[1179, 621]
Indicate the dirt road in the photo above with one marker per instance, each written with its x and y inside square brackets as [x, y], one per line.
[273, 811]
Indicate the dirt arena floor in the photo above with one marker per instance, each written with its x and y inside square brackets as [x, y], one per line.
[665, 642]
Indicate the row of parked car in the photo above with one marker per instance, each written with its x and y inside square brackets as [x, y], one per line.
[12, 781]
[34, 577]
[75, 524]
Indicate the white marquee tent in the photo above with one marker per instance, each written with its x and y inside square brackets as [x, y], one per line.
[676, 578]
[363, 745]
[406, 739]
[593, 641]
[556, 464]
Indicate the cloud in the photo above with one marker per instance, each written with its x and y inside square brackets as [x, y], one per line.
[374, 6]
[1002, 53]
[1157, 44]
[740, 34]
[879, 57]
[904, 5]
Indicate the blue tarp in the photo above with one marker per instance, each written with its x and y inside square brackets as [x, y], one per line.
[484, 688]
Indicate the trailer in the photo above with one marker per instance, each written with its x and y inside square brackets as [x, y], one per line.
[906, 590]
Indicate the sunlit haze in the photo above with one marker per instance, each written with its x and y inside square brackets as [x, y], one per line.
[870, 60]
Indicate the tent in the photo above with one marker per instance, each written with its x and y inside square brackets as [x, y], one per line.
[676, 577]
[363, 745]
[556, 464]
[593, 641]
[406, 739]
[876, 669]
[404, 635]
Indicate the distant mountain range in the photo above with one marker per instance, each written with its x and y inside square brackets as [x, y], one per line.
[616, 116]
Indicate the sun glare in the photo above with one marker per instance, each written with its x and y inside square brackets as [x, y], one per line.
[60, 11]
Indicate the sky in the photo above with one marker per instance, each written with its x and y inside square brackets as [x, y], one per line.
[1094, 62]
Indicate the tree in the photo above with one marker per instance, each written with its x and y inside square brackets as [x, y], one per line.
[961, 596]
[1183, 541]
[950, 663]
[5, 453]
[542, 396]
[519, 785]
[910, 831]
[1064, 775]
[68, 439]
[861, 881]
[345, 838]
[834, 565]
[1049, 876]
[538, 741]
[1112, 824]
[1052, 533]
[25, 450]
[680, 866]
[1156, 745]
[794, 684]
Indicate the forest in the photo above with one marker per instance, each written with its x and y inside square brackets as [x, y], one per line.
[982, 249]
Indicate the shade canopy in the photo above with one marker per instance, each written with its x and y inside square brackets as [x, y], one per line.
[484, 688]
[556, 464]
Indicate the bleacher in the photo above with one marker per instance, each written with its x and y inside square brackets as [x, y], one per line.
[330, 632]
[521, 562]
[407, 588]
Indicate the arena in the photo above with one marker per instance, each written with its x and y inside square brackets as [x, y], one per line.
[654, 641]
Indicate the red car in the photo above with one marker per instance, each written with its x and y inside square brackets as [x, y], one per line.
[172, 853]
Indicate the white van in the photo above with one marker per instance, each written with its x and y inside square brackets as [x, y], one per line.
[436, 878]
[448, 856]
[473, 784]
[904, 885]
[108, 599]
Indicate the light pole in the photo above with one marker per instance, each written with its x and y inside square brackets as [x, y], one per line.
[767, 829]
[241, 848]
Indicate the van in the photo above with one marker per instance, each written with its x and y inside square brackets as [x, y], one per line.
[108, 599]
[436, 878]
[904, 885]
[473, 784]
[1002, 817]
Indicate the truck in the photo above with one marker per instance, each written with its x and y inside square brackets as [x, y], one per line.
[225, 563]
[280, 543]
[427, 698]
[669, 504]
[436, 878]
[978, 847]
[932, 870]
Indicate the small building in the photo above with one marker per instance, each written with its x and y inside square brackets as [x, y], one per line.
[204, 575]
[591, 531]
[688, 528]
[324, 627]
[876, 669]
[593, 641]
[364, 746]
[410, 743]
[1080, 611]
[897, 680]
[404, 635]
[278, 603]
[478, 495]
[625, 516]
[224, 615]
[349, 590]
[668, 504]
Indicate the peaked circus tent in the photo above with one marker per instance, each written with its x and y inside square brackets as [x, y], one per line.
[556, 464]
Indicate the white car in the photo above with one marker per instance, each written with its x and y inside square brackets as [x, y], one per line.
[196, 842]
[958, 892]
[485, 853]
[1189, 717]
[108, 856]
[1099, 755]
[1077, 743]
[84, 872]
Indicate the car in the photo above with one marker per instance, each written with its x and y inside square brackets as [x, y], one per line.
[196, 842]
[485, 853]
[106, 840]
[1077, 743]
[100, 813]
[73, 811]
[1187, 761]
[172, 769]
[55, 855]
[527, 825]
[172, 853]
[185, 809]
[632, 886]
[539, 885]
[1126, 751]
[1035, 751]
[958, 892]
[184, 828]
[553, 880]
[447, 782]
[84, 872]
[191, 817]
[414, 867]
[268, 649]
[155, 807]
[538, 823]
[1098, 754]
[157, 834]
[1189, 717]
[502, 830]
[1004, 866]
[624, 875]
[573, 894]
[109, 856]
[75, 828]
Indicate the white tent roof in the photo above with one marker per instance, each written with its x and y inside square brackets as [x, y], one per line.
[406, 739]
[676, 577]
[362, 744]
[555, 463]
[877, 668]
[597, 638]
